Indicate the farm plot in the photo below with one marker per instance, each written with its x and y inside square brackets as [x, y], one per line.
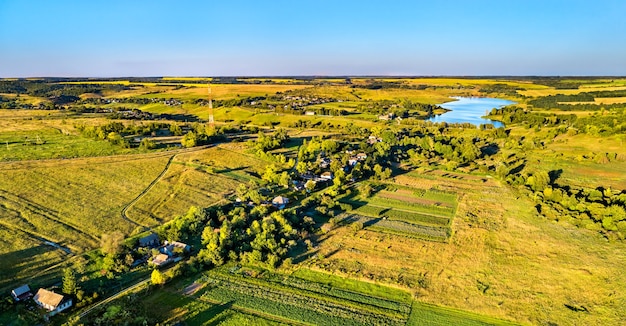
[304, 301]
[412, 212]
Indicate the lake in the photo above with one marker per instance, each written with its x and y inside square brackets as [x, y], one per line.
[470, 109]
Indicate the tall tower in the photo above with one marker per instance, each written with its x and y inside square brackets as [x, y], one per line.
[211, 119]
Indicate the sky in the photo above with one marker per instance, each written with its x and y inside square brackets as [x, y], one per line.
[112, 38]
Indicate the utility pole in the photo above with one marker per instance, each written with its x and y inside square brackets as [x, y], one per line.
[211, 119]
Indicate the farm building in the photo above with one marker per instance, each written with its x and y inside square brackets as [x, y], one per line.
[151, 240]
[161, 259]
[280, 202]
[51, 301]
[169, 248]
[326, 176]
[21, 293]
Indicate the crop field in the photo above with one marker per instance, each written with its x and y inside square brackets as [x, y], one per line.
[305, 297]
[582, 89]
[304, 301]
[412, 212]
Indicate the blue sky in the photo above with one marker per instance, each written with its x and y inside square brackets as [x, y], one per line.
[261, 38]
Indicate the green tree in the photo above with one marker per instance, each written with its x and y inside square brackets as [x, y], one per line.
[270, 174]
[285, 179]
[365, 190]
[70, 285]
[309, 185]
[190, 139]
[301, 167]
[147, 143]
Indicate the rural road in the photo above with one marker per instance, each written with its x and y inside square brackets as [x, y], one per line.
[155, 181]
[113, 297]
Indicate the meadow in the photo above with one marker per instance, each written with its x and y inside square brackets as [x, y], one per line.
[502, 259]
[440, 242]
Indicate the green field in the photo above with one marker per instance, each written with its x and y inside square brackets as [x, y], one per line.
[530, 229]
[411, 212]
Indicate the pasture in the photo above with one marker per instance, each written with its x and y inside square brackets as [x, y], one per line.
[502, 260]
[200, 178]
[68, 202]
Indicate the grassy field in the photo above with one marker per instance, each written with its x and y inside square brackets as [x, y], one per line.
[199, 179]
[502, 260]
[69, 202]
[490, 257]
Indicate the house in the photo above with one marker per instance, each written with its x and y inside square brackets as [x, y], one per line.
[169, 248]
[326, 176]
[386, 117]
[151, 240]
[280, 202]
[309, 113]
[161, 259]
[185, 247]
[51, 301]
[324, 162]
[21, 293]
[353, 161]
[361, 156]
[373, 140]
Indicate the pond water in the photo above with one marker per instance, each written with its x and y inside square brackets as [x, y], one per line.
[470, 109]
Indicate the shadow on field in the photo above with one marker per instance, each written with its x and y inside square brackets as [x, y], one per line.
[227, 170]
[16, 262]
[181, 117]
[212, 315]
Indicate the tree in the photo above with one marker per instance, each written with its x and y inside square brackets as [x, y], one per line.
[189, 140]
[285, 179]
[69, 281]
[112, 243]
[157, 278]
[365, 190]
[301, 167]
[147, 143]
[309, 185]
[270, 173]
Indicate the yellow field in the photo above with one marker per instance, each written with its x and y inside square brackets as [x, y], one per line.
[582, 89]
[200, 179]
[601, 100]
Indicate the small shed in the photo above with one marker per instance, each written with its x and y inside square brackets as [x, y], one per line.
[280, 202]
[151, 240]
[21, 293]
[326, 176]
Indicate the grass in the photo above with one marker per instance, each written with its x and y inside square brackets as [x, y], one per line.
[71, 202]
[200, 179]
[516, 266]
[425, 314]
[372, 289]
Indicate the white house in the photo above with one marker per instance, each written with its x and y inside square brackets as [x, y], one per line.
[51, 301]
